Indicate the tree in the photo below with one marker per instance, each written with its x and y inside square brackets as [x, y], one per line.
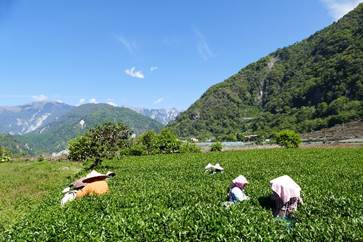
[104, 141]
[168, 142]
[288, 139]
[150, 141]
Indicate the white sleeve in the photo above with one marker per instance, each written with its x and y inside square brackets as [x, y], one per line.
[239, 194]
[69, 196]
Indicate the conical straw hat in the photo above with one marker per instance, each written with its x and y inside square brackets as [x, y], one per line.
[94, 176]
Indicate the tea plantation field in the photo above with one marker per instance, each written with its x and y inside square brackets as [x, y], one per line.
[170, 198]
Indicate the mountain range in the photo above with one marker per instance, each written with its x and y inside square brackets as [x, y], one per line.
[312, 84]
[30, 117]
[23, 119]
[46, 127]
[163, 116]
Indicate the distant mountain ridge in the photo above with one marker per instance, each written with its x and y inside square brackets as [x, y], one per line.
[312, 84]
[23, 119]
[18, 120]
[164, 115]
[52, 135]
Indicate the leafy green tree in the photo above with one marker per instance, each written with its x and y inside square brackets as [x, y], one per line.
[288, 139]
[104, 141]
[150, 141]
[82, 148]
[168, 142]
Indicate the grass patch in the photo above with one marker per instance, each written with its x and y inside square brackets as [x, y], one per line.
[23, 185]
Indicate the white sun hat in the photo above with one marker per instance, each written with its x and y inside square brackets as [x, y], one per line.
[94, 176]
[285, 187]
[218, 167]
[240, 181]
[209, 167]
[65, 190]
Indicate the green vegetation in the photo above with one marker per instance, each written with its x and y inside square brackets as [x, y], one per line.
[104, 141]
[151, 143]
[110, 140]
[23, 185]
[312, 84]
[288, 139]
[5, 155]
[217, 146]
[56, 135]
[13, 144]
[169, 197]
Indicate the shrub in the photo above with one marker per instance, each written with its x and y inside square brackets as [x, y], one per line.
[288, 139]
[104, 141]
[188, 147]
[137, 150]
[168, 142]
[150, 141]
[217, 146]
[5, 155]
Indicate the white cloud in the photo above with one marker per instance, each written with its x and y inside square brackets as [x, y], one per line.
[112, 104]
[338, 8]
[159, 100]
[153, 68]
[82, 101]
[92, 100]
[203, 48]
[40, 98]
[130, 46]
[134, 73]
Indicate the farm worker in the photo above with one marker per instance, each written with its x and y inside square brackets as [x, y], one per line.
[286, 195]
[236, 190]
[93, 184]
[214, 168]
[70, 191]
[96, 185]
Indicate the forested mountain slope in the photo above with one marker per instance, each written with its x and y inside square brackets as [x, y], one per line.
[312, 84]
[55, 136]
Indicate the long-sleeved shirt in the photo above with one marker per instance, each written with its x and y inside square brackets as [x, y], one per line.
[236, 195]
[94, 188]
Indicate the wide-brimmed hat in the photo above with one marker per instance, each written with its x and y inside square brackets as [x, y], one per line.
[209, 167]
[94, 176]
[110, 174]
[240, 181]
[78, 184]
[218, 167]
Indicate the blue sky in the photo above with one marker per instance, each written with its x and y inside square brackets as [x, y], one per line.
[155, 54]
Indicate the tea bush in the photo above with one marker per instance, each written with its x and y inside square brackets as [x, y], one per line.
[5, 155]
[217, 146]
[169, 197]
